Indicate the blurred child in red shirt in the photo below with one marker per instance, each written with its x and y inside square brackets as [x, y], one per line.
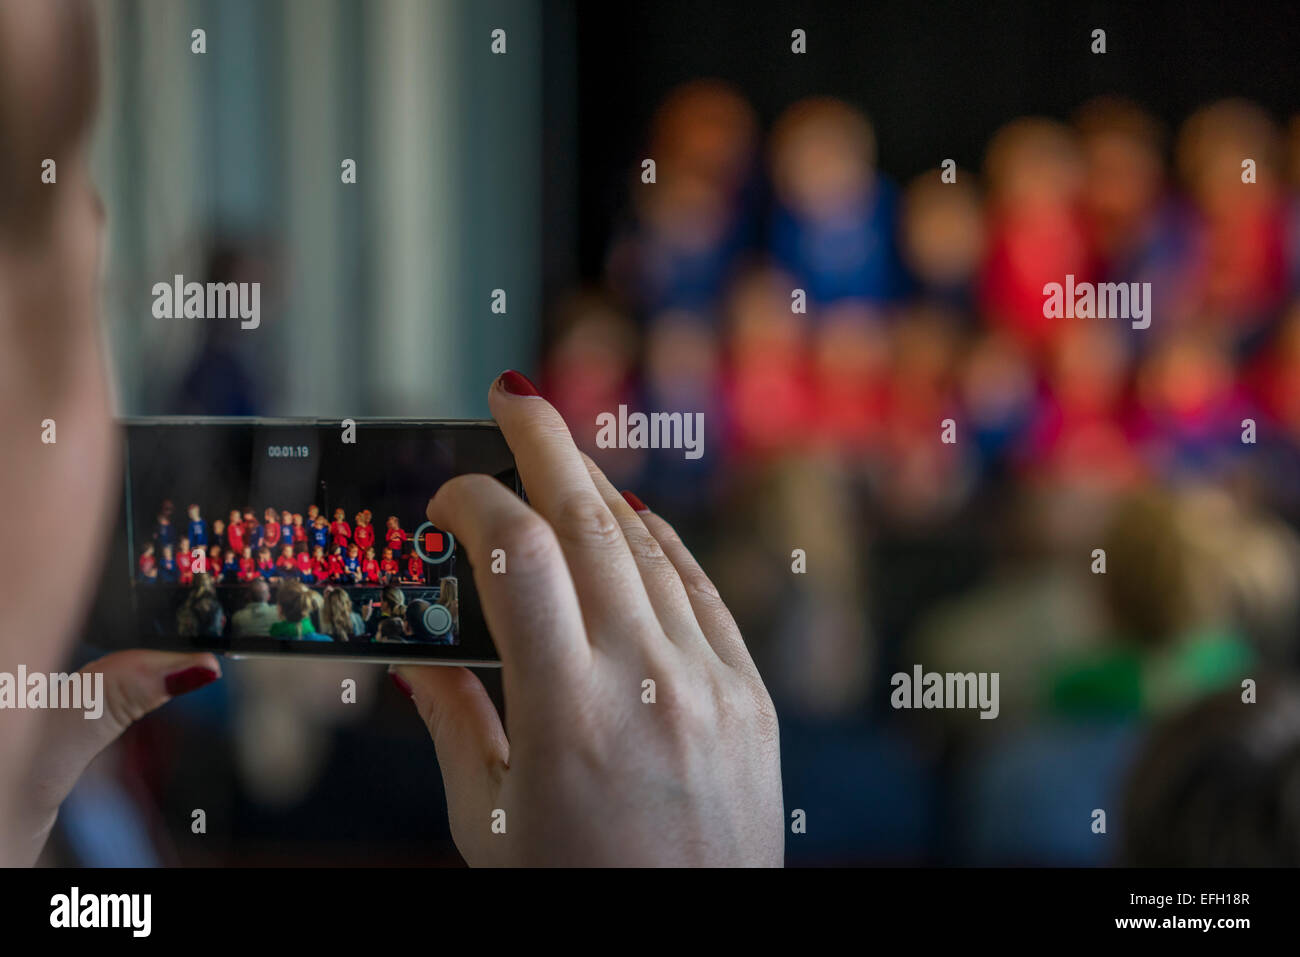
[247, 564]
[340, 529]
[769, 389]
[414, 567]
[394, 536]
[389, 565]
[270, 529]
[183, 557]
[1037, 231]
[320, 565]
[337, 568]
[235, 532]
[370, 567]
[364, 533]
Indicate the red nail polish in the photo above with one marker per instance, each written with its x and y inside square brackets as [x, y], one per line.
[636, 503]
[402, 685]
[516, 383]
[190, 679]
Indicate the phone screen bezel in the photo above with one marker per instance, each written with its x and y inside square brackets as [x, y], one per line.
[474, 647]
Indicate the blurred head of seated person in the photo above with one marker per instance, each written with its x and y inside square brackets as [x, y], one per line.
[202, 614]
[51, 362]
[391, 630]
[1173, 639]
[256, 617]
[416, 629]
[1218, 785]
[294, 604]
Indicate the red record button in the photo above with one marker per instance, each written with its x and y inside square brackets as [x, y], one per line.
[432, 544]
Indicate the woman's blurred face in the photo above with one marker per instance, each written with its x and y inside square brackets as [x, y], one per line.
[51, 363]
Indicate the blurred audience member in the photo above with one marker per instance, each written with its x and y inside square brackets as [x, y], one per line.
[256, 617]
[1173, 638]
[1218, 785]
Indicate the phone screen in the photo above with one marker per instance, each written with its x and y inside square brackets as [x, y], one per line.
[295, 537]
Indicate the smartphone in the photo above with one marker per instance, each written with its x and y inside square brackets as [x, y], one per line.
[251, 537]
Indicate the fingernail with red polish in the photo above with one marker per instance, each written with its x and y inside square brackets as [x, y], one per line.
[181, 682]
[402, 685]
[516, 383]
[636, 503]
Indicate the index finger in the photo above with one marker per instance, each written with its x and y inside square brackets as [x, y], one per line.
[531, 608]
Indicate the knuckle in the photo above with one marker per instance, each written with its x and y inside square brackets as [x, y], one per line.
[701, 589]
[527, 540]
[584, 519]
[646, 550]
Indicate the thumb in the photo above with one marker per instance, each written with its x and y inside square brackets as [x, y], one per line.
[133, 684]
[471, 744]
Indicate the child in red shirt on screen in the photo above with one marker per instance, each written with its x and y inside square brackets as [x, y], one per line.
[247, 564]
[340, 529]
[364, 535]
[320, 565]
[370, 567]
[337, 570]
[183, 574]
[306, 571]
[235, 532]
[299, 530]
[270, 529]
[394, 536]
[414, 568]
[389, 565]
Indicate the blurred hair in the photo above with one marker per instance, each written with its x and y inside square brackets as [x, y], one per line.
[393, 597]
[1029, 155]
[293, 601]
[1153, 584]
[1219, 784]
[1116, 116]
[706, 128]
[415, 618]
[336, 615]
[391, 629]
[823, 115]
[1235, 129]
[201, 612]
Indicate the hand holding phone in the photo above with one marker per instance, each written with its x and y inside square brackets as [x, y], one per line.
[641, 732]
